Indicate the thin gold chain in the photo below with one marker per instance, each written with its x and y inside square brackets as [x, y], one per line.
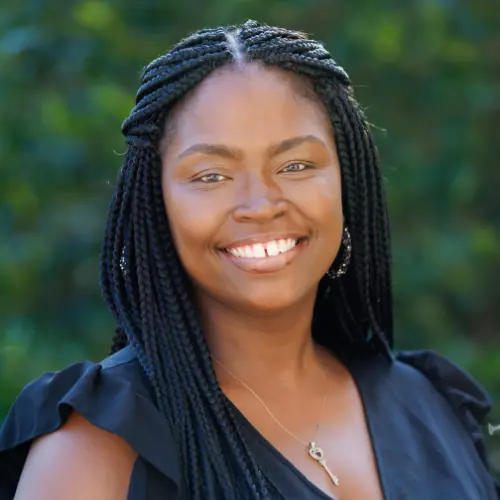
[306, 443]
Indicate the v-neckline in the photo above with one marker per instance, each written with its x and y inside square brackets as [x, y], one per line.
[356, 367]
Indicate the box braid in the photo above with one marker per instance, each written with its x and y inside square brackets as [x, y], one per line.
[147, 289]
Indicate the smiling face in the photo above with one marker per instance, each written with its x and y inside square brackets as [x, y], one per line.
[252, 189]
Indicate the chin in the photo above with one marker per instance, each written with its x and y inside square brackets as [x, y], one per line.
[270, 298]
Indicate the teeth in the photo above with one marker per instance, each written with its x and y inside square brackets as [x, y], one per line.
[272, 248]
[246, 251]
[261, 250]
[258, 250]
[283, 245]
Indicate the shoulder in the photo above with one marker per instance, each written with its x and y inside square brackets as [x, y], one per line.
[78, 461]
[440, 377]
[433, 382]
[103, 410]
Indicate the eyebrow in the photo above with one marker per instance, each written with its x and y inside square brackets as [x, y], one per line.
[237, 154]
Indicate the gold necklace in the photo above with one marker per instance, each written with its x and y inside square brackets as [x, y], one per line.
[315, 452]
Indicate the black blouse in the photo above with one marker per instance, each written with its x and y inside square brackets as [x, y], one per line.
[424, 416]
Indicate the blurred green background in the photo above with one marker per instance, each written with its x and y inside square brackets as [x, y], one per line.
[428, 73]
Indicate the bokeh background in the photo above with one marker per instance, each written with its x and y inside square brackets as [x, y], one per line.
[427, 72]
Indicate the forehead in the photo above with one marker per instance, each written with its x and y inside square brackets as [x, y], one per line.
[249, 106]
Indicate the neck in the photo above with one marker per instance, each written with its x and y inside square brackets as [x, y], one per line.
[259, 346]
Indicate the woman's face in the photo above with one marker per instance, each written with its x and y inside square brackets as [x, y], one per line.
[251, 183]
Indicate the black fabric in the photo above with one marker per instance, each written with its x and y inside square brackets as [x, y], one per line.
[423, 412]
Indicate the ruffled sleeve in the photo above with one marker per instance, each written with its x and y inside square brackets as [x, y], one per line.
[466, 396]
[111, 395]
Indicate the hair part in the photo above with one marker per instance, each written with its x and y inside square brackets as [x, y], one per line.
[146, 287]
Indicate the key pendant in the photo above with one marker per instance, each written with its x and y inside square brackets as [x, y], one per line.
[317, 454]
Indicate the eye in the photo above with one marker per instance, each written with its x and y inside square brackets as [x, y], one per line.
[211, 178]
[296, 167]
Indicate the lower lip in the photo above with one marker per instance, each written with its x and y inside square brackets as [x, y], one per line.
[267, 264]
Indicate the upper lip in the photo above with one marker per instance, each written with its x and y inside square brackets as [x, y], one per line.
[262, 238]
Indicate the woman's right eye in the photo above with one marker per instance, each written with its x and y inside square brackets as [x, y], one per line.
[211, 178]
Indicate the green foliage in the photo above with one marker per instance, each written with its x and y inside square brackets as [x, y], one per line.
[428, 73]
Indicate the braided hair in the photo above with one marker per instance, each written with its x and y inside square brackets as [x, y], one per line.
[146, 287]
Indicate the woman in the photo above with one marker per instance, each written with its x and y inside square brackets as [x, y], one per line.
[247, 262]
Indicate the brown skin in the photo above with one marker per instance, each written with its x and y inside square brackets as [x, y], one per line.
[259, 325]
[77, 462]
[251, 111]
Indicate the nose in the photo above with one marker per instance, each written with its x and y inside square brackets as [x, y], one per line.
[260, 200]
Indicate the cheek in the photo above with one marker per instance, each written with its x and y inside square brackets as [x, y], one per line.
[321, 203]
[320, 199]
[192, 220]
